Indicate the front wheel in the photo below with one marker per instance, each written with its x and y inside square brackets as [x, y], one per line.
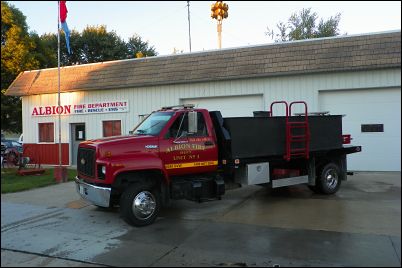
[330, 179]
[140, 205]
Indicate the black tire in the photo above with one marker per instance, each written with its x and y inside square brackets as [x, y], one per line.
[12, 158]
[147, 208]
[329, 179]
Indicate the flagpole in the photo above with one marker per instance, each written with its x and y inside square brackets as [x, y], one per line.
[58, 66]
[188, 16]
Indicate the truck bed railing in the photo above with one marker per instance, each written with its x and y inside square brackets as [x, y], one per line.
[297, 144]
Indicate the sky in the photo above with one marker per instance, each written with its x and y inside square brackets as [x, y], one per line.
[164, 24]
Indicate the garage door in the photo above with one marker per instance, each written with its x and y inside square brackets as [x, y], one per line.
[229, 106]
[373, 117]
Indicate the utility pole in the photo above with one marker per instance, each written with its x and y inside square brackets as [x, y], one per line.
[219, 11]
[188, 16]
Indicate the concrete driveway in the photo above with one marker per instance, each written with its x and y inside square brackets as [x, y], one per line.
[250, 226]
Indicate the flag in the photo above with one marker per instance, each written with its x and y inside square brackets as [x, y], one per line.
[63, 17]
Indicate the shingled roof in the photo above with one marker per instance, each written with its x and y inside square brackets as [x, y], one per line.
[346, 53]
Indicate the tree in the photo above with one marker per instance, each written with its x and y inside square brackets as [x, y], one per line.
[135, 45]
[97, 45]
[45, 52]
[303, 25]
[16, 56]
[49, 41]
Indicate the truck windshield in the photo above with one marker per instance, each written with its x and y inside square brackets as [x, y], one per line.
[153, 124]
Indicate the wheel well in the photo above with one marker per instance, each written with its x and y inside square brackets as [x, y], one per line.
[339, 160]
[154, 177]
[124, 179]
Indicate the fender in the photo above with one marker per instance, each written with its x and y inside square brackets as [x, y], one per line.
[139, 161]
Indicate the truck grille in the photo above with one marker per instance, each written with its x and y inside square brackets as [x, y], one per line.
[86, 161]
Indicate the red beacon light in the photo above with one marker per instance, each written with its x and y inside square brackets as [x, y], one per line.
[346, 138]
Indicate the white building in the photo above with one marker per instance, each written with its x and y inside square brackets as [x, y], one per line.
[358, 76]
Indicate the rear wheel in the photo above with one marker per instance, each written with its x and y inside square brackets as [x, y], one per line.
[12, 159]
[330, 179]
[140, 204]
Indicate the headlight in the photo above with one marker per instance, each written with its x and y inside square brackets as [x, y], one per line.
[101, 172]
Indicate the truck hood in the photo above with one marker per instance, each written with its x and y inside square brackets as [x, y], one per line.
[117, 138]
[123, 145]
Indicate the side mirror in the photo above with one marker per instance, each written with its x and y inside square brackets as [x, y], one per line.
[192, 122]
[131, 132]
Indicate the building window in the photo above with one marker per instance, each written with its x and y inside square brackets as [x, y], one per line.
[46, 132]
[111, 128]
[80, 132]
[372, 128]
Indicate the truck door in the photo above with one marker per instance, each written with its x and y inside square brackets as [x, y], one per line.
[184, 153]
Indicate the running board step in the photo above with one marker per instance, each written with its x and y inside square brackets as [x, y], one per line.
[289, 181]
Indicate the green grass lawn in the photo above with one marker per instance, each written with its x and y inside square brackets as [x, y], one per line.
[11, 182]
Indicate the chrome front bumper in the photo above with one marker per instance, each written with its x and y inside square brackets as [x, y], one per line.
[97, 195]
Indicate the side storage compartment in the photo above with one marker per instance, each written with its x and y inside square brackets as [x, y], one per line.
[252, 174]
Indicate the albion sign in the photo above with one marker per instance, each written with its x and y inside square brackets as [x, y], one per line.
[86, 108]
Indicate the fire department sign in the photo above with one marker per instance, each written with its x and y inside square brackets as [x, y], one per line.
[84, 108]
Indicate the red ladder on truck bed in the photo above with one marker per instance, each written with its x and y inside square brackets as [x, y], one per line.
[292, 139]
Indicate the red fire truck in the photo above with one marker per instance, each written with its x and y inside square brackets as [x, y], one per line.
[182, 152]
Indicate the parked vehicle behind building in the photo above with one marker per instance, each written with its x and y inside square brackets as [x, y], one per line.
[12, 151]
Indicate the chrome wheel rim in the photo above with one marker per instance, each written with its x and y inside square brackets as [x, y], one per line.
[331, 178]
[144, 205]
